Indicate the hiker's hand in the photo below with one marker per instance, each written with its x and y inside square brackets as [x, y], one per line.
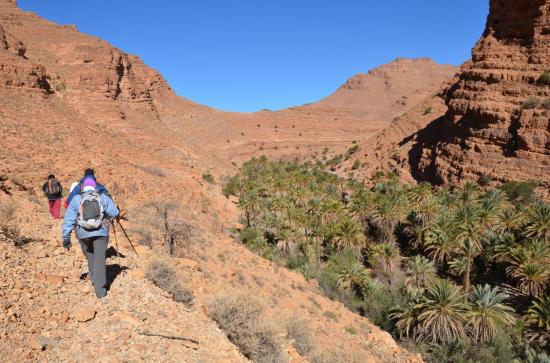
[121, 215]
[67, 244]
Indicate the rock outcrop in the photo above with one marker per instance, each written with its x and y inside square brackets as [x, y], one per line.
[498, 121]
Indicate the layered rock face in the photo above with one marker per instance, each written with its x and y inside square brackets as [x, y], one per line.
[498, 118]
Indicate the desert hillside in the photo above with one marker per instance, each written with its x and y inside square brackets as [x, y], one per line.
[69, 101]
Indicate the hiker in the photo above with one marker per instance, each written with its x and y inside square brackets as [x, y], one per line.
[73, 185]
[54, 191]
[89, 213]
[345, 198]
[88, 174]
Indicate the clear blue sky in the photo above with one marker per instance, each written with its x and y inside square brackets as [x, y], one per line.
[245, 55]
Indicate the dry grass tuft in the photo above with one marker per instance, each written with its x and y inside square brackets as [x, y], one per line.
[166, 277]
[8, 225]
[299, 330]
[338, 355]
[241, 318]
[151, 170]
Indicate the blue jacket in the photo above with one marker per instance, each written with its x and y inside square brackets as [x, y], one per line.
[100, 189]
[71, 215]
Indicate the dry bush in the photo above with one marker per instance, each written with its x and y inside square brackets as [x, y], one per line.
[165, 276]
[151, 170]
[8, 224]
[176, 233]
[145, 236]
[241, 318]
[338, 355]
[299, 330]
[531, 103]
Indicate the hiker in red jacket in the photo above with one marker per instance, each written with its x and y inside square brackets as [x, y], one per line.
[54, 192]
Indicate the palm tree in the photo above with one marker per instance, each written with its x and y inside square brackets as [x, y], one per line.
[250, 203]
[426, 206]
[385, 258]
[440, 238]
[487, 312]
[352, 277]
[471, 231]
[420, 271]
[416, 234]
[441, 317]
[388, 211]
[512, 219]
[529, 266]
[491, 207]
[361, 206]
[538, 222]
[538, 318]
[349, 235]
[469, 192]
[470, 239]
[406, 315]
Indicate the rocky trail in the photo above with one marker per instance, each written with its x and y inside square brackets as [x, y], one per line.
[50, 313]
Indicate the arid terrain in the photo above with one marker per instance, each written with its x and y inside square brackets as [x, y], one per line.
[493, 119]
[70, 101]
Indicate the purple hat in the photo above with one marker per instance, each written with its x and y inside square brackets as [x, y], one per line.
[89, 182]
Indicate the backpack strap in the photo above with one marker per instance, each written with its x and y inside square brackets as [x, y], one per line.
[49, 186]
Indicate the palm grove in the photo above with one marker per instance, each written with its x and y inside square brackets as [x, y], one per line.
[460, 274]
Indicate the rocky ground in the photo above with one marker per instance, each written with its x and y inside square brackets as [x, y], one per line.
[48, 312]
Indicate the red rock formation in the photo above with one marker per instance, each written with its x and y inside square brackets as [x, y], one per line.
[489, 128]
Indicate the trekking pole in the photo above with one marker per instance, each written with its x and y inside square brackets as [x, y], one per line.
[128, 238]
[116, 244]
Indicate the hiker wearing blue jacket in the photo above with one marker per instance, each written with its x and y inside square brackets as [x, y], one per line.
[88, 214]
[88, 173]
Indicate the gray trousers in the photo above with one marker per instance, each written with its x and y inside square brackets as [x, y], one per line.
[95, 249]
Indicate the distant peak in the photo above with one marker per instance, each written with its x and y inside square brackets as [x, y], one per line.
[397, 66]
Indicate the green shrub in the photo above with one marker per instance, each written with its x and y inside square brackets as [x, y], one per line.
[356, 165]
[484, 180]
[428, 110]
[165, 276]
[544, 78]
[335, 160]
[350, 330]
[330, 315]
[242, 320]
[232, 186]
[531, 103]
[546, 104]
[352, 150]
[208, 177]
[519, 191]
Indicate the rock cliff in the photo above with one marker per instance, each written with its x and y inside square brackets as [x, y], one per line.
[498, 115]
